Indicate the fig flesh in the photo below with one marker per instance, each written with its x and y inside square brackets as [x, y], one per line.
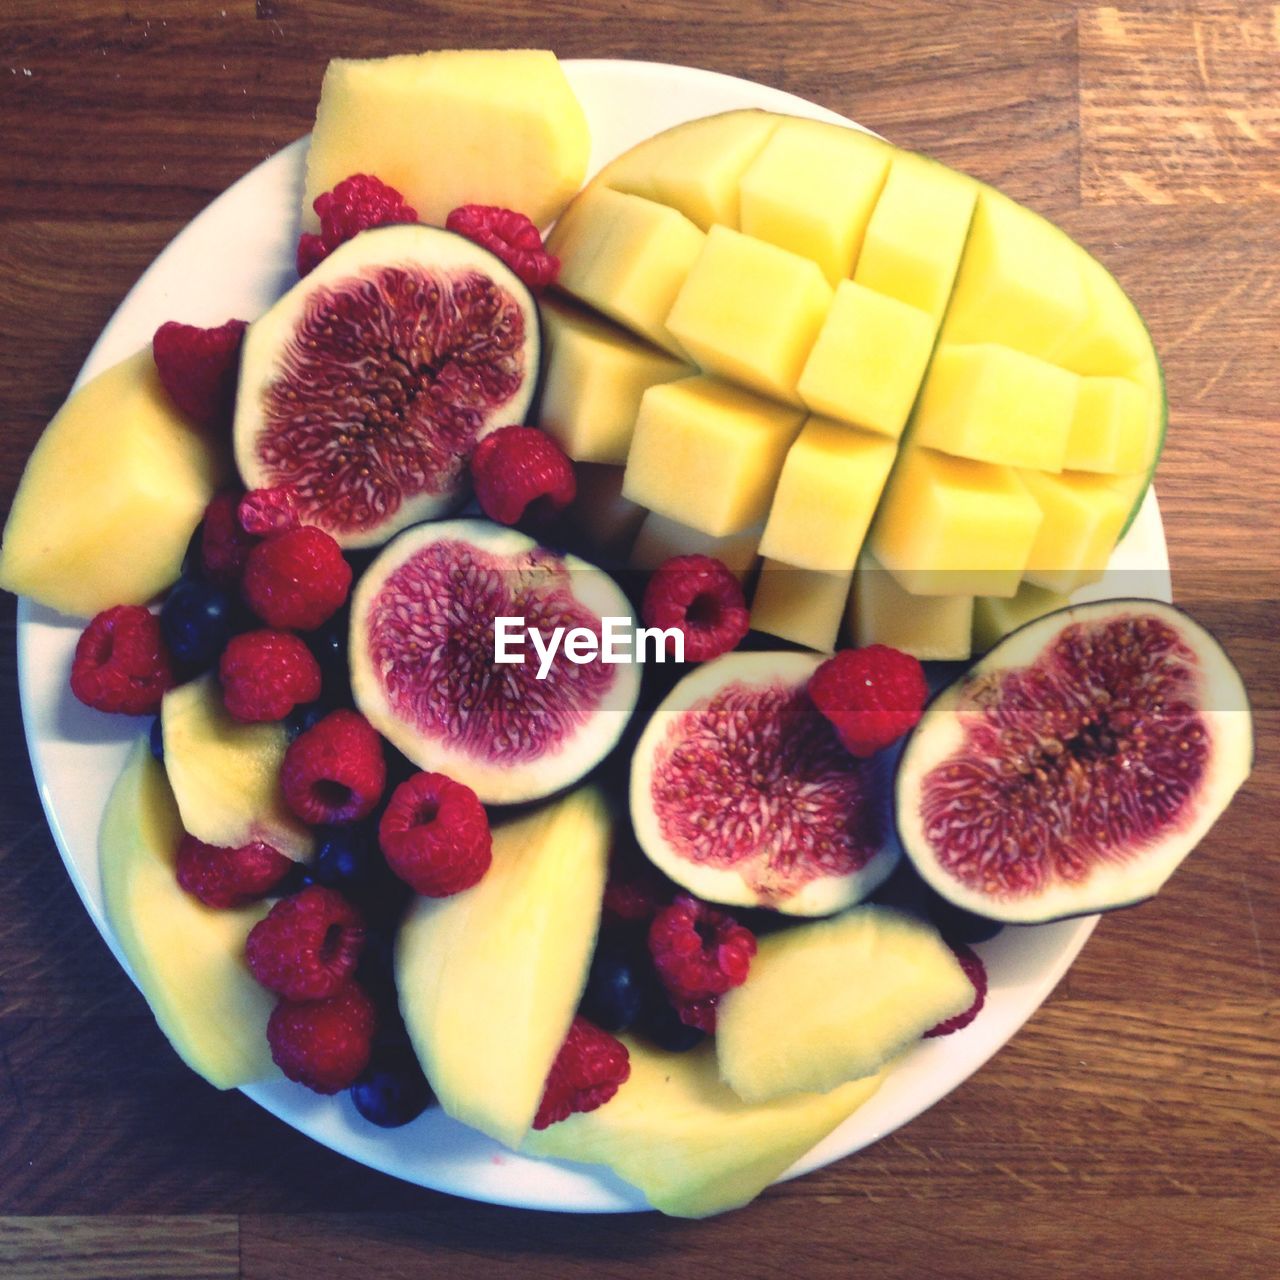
[742, 793]
[1073, 768]
[366, 387]
[423, 668]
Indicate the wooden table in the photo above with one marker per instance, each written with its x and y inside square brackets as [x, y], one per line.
[1132, 1127]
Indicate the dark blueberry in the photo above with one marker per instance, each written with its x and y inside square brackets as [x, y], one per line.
[661, 1024]
[906, 890]
[305, 717]
[297, 878]
[157, 740]
[957, 925]
[329, 644]
[196, 621]
[393, 1089]
[376, 971]
[191, 564]
[614, 996]
[348, 859]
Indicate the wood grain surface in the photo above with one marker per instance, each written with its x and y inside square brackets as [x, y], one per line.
[1132, 1128]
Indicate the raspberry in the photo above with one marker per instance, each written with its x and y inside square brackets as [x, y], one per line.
[307, 945]
[510, 236]
[265, 674]
[297, 579]
[198, 368]
[635, 890]
[121, 663]
[518, 468]
[334, 772]
[872, 696]
[354, 205]
[266, 511]
[700, 597]
[976, 972]
[699, 953]
[324, 1044]
[224, 544]
[589, 1069]
[222, 877]
[435, 836]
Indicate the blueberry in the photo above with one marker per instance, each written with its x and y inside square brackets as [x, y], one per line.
[614, 995]
[157, 740]
[349, 860]
[329, 644]
[393, 1089]
[661, 1024]
[297, 878]
[304, 717]
[907, 891]
[957, 925]
[196, 621]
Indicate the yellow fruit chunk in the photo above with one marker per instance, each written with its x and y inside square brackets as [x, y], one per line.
[805, 606]
[993, 404]
[452, 127]
[950, 527]
[109, 496]
[916, 234]
[931, 628]
[660, 538]
[595, 375]
[866, 365]
[1083, 515]
[601, 512]
[695, 167]
[812, 189]
[827, 493]
[1113, 339]
[834, 1001]
[188, 959]
[1020, 282]
[686, 1140]
[226, 775]
[750, 312]
[1109, 427]
[627, 258]
[708, 454]
[993, 619]
[489, 979]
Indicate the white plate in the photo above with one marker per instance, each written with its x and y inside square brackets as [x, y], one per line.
[234, 260]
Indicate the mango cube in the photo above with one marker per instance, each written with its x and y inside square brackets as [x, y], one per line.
[594, 377]
[1083, 515]
[916, 235]
[827, 493]
[866, 365]
[1113, 339]
[1109, 428]
[931, 628]
[951, 527]
[696, 167]
[993, 619]
[993, 404]
[812, 189]
[805, 606]
[660, 538]
[1020, 282]
[708, 454]
[750, 312]
[627, 258]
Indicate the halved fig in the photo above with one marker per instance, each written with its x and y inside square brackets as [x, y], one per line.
[366, 387]
[1074, 767]
[423, 668]
[742, 793]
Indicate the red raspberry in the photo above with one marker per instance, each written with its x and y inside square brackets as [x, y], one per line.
[699, 952]
[222, 877]
[121, 663]
[510, 236]
[635, 890]
[265, 674]
[518, 468]
[354, 205]
[224, 544]
[334, 772]
[872, 696]
[198, 368]
[589, 1069]
[307, 945]
[700, 597]
[976, 972]
[267, 511]
[297, 579]
[324, 1044]
[435, 836]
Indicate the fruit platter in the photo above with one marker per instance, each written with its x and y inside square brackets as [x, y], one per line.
[595, 635]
